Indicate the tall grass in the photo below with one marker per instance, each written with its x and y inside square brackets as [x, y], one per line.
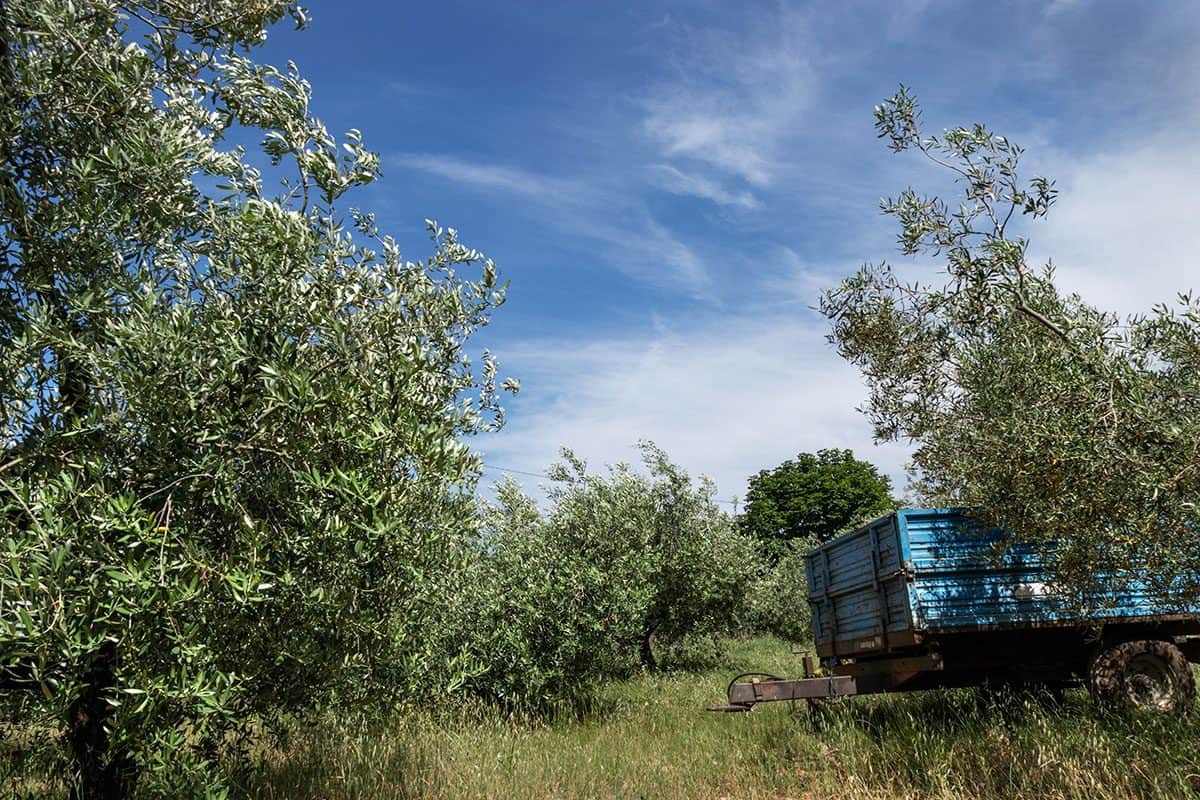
[650, 738]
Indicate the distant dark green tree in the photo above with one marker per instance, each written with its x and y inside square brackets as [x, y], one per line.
[812, 497]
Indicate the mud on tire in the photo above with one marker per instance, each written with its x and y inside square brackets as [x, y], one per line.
[1145, 675]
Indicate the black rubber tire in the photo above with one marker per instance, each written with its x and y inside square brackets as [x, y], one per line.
[1144, 676]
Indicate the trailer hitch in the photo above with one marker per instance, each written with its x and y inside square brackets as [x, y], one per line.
[763, 687]
[738, 707]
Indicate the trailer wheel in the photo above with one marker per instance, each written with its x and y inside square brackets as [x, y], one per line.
[1145, 675]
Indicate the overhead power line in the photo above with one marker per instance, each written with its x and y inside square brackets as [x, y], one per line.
[517, 471]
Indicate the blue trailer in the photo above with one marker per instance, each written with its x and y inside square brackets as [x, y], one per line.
[928, 598]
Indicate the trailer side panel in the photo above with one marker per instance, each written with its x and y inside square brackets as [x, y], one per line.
[966, 577]
[858, 592]
[890, 585]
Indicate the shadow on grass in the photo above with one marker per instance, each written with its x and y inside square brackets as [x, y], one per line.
[997, 744]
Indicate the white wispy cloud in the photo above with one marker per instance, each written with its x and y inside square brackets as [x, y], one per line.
[735, 99]
[1123, 233]
[490, 176]
[659, 244]
[678, 182]
[635, 244]
[729, 122]
[726, 397]
[615, 224]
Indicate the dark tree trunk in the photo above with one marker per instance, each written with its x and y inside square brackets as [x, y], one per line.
[647, 654]
[100, 774]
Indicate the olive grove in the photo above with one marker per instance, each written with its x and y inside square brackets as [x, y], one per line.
[619, 565]
[236, 487]
[1075, 429]
[233, 479]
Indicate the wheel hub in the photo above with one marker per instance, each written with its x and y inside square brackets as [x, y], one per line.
[1150, 683]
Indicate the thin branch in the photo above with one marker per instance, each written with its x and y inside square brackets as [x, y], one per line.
[173, 484]
[922, 147]
[1043, 320]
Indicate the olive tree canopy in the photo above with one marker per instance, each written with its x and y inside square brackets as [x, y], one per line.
[1077, 430]
[232, 412]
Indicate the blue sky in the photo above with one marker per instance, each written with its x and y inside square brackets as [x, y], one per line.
[668, 186]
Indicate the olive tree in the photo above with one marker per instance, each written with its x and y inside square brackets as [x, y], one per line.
[618, 562]
[777, 601]
[1073, 428]
[234, 479]
[700, 564]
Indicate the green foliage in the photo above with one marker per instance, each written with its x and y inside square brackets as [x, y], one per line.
[618, 563]
[649, 739]
[1051, 417]
[777, 602]
[233, 477]
[813, 498]
[790, 510]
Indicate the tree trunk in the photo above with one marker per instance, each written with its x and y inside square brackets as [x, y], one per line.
[647, 654]
[100, 774]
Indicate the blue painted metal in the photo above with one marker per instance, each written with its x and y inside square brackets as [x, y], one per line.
[925, 571]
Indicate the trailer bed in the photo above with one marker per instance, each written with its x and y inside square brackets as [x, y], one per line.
[888, 586]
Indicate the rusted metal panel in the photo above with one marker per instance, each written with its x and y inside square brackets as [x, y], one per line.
[892, 666]
[872, 645]
[1172, 624]
[767, 691]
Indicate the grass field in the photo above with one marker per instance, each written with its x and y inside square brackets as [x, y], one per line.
[650, 738]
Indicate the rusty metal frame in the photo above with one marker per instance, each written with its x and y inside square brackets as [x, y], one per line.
[868, 677]
[767, 691]
[892, 666]
[897, 641]
[1175, 624]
